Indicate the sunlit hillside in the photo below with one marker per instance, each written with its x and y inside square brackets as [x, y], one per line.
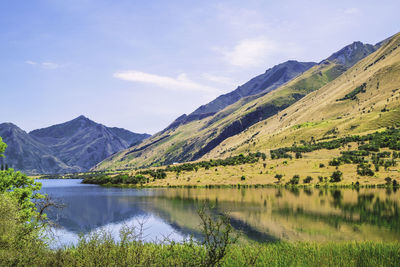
[193, 140]
[332, 110]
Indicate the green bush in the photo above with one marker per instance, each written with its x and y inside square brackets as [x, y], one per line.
[295, 180]
[336, 177]
[307, 180]
[364, 170]
[388, 180]
[278, 177]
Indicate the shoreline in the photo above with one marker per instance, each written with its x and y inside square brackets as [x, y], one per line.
[238, 186]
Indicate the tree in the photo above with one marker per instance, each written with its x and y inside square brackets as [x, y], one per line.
[3, 147]
[20, 187]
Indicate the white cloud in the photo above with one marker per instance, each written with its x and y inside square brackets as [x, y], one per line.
[50, 65]
[250, 52]
[44, 65]
[351, 11]
[31, 62]
[219, 79]
[180, 83]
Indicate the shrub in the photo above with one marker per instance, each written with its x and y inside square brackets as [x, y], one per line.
[364, 170]
[307, 180]
[278, 177]
[334, 162]
[243, 178]
[336, 177]
[217, 234]
[295, 180]
[388, 180]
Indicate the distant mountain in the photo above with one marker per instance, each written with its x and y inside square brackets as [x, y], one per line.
[194, 136]
[261, 84]
[76, 145]
[25, 153]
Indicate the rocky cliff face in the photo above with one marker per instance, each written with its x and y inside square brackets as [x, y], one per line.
[76, 145]
[351, 54]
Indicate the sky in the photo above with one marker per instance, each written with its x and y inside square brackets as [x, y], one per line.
[141, 64]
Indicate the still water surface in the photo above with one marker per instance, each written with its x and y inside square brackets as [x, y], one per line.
[261, 214]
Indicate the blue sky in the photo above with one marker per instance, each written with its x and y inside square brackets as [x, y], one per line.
[140, 64]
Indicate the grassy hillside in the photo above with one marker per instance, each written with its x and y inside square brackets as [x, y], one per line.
[363, 99]
[339, 101]
[315, 135]
[193, 140]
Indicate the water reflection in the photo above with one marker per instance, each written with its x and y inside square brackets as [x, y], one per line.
[262, 214]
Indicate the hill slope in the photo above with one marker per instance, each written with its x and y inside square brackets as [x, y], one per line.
[264, 83]
[261, 84]
[193, 139]
[76, 145]
[363, 99]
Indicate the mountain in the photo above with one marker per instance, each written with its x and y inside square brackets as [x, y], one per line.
[351, 54]
[76, 145]
[261, 84]
[191, 139]
[363, 99]
[25, 153]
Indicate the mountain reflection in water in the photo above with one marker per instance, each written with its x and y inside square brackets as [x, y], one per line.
[261, 214]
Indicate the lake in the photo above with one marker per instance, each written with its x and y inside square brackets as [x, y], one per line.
[260, 214]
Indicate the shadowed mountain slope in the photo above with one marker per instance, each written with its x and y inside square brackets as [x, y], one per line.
[76, 145]
[26, 154]
[264, 83]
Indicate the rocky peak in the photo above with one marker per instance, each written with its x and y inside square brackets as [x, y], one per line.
[76, 145]
[351, 54]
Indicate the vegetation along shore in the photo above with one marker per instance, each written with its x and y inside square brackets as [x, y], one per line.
[369, 160]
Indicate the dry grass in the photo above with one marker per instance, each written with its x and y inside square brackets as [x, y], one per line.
[256, 174]
[322, 113]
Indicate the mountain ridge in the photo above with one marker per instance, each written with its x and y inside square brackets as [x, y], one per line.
[73, 146]
[261, 84]
[328, 112]
[266, 82]
[192, 139]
